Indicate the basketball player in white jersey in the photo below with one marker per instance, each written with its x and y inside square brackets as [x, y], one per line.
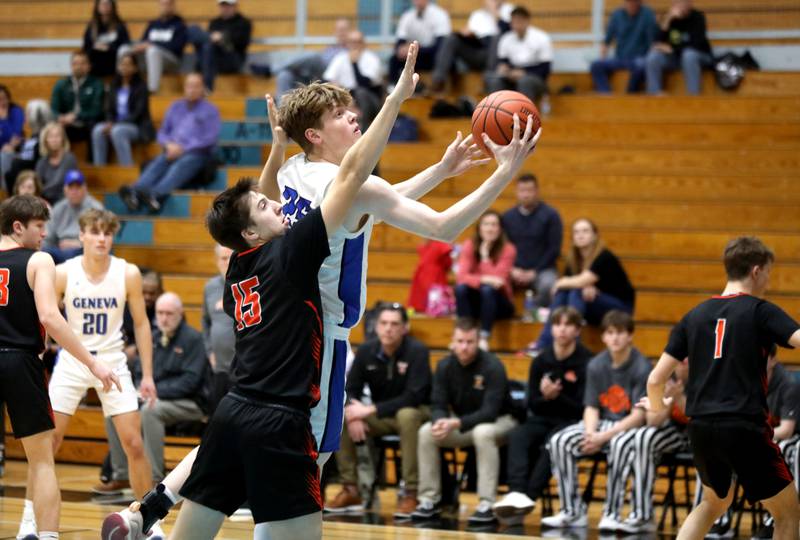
[95, 288]
[319, 119]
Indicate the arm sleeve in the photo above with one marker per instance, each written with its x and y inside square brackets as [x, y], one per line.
[534, 380]
[165, 131]
[493, 399]
[775, 323]
[554, 236]
[678, 344]
[55, 98]
[93, 110]
[207, 134]
[418, 385]
[137, 104]
[354, 385]
[440, 407]
[17, 119]
[467, 266]
[611, 29]
[591, 395]
[187, 384]
[304, 248]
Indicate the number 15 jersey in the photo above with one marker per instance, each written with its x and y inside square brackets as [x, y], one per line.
[727, 340]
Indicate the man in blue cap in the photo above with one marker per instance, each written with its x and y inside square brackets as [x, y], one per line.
[62, 241]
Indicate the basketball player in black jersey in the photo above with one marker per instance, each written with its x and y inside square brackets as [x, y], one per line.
[727, 339]
[28, 309]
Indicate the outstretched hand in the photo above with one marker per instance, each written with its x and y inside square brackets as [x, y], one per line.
[407, 82]
[279, 136]
[514, 153]
[461, 156]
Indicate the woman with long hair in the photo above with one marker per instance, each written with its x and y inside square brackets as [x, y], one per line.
[56, 159]
[103, 37]
[483, 281]
[594, 280]
[127, 113]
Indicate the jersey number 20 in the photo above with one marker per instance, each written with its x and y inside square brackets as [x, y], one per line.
[719, 335]
[248, 303]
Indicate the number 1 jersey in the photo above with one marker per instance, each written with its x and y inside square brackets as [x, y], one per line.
[272, 293]
[727, 340]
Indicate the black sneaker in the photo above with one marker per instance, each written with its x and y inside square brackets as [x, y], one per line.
[483, 514]
[152, 203]
[426, 510]
[765, 532]
[720, 530]
[129, 198]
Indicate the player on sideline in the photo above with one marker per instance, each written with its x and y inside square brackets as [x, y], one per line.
[320, 118]
[726, 339]
[28, 308]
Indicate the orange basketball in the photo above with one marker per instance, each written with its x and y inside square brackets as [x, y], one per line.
[495, 116]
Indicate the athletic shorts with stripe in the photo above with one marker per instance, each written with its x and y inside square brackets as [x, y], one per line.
[23, 388]
[328, 416]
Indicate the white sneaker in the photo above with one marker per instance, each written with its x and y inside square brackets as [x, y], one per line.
[636, 526]
[562, 520]
[609, 524]
[513, 505]
[124, 525]
[27, 529]
[156, 532]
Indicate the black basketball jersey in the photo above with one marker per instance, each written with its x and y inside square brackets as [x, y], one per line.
[19, 320]
[727, 340]
[272, 293]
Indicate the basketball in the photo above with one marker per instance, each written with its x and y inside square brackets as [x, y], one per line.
[494, 115]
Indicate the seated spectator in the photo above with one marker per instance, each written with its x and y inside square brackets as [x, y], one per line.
[535, 229]
[223, 49]
[127, 115]
[309, 67]
[54, 161]
[63, 230]
[396, 369]
[161, 45]
[152, 288]
[218, 334]
[475, 44]
[594, 280]
[426, 23]
[179, 370]
[38, 115]
[483, 282]
[27, 183]
[77, 100]
[435, 261]
[188, 135]
[104, 36]
[616, 380]
[470, 406]
[681, 44]
[12, 120]
[524, 57]
[556, 382]
[632, 28]
[360, 71]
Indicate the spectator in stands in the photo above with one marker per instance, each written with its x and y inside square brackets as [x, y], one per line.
[27, 183]
[127, 115]
[104, 36]
[470, 406]
[594, 280]
[161, 44]
[311, 66]
[223, 49]
[536, 230]
[77, 100]
[12, 120]
[524, 57]
[681, 44]
[54, 161]
[188, 134]
[475, 44]
[63, 230]
[218, 334]
[426, 23]
[616, 380]
[483, 281]
[152, 288]
[360, 71]
[430, 278]
[556, 383]
[632, 28]
[38, 115]
[396, 369]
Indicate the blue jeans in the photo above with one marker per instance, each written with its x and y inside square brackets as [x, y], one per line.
[592, 311]
[122, 135]
[211, 57]
[601, 69]
[486, 304]
[161, 177]
[691, 62]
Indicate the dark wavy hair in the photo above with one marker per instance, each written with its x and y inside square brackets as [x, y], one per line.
[229, 215]
[97, 21]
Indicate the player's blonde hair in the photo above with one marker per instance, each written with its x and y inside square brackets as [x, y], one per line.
[302, 109]
[104, 220]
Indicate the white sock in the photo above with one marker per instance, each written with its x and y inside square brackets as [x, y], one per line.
[27, 511]
[47, 535]
[172, 497]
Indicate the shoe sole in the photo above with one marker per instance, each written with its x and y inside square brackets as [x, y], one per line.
[511, 511]
[481, 521]
[345, 509]
[417, 517]
[115, 528]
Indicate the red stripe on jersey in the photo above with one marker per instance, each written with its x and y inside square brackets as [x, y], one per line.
[251, 250]
[729, 296]
[316, 337]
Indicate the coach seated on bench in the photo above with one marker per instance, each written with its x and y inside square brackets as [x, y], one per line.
[180, 371]
[396, 369]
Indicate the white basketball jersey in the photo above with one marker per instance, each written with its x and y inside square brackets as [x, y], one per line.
[343, 276]
[95, 310]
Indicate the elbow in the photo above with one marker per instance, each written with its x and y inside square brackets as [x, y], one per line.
[48, 319]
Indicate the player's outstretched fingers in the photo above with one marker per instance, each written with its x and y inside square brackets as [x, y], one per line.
[411, 57]
[528, 129]
[532, 143]
[515, 137]
[490, 144]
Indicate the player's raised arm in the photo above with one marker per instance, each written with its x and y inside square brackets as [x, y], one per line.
[361, 158]
[268, 181]
[41, 278]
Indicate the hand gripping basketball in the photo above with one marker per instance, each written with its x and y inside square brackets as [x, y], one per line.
[514, 153]
[494, 116]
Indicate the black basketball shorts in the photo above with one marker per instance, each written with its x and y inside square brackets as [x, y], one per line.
[724, 445]
[23, 387]
[261, 453]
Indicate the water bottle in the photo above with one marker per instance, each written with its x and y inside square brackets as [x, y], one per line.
[529, 307]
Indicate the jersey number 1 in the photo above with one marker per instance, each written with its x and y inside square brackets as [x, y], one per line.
[248, 303]
[719, 335]
[5, 276]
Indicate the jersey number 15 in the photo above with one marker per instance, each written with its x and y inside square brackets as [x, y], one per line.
[248, 303]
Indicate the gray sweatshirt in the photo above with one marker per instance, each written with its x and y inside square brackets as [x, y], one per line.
[63, 222]
[218, 333]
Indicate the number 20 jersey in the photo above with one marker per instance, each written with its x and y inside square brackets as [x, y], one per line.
[95, 310]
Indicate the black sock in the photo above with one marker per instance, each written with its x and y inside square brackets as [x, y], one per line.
[155, 506]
